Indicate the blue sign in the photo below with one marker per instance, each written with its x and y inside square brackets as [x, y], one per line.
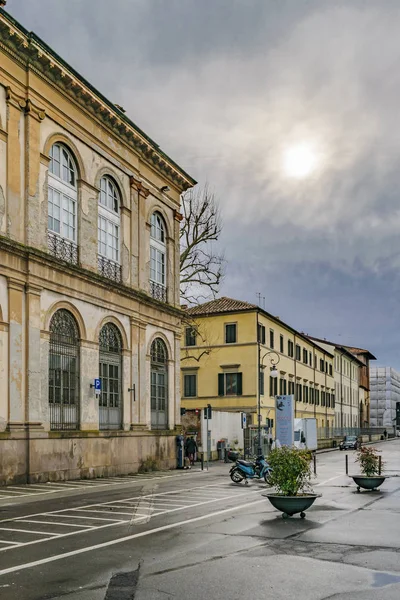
[284, 420]
[97, 384]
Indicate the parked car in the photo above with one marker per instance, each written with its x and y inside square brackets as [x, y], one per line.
[350, 442]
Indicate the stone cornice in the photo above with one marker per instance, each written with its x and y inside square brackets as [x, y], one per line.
[138, 185]
[34, 54]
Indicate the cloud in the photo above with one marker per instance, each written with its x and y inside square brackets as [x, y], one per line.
[225, 87]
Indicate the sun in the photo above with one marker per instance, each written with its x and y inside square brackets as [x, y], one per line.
[299, 161]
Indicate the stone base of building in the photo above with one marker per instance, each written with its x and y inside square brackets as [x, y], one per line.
[61, 456]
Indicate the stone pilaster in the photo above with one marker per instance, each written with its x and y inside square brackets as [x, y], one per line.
[3, 376]
[35, 412]
[88, 226]
[89, 370]
[143, 234]
[177, 398]
[35, 232]
[16, 388]
[15, 166]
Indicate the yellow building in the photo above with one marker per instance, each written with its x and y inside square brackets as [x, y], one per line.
[89, 276]
[227, 342]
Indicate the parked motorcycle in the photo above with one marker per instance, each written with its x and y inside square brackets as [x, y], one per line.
[245, 470]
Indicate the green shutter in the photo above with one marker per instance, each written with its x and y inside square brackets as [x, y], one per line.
[221, 384]
[262, 383]
[239, 384]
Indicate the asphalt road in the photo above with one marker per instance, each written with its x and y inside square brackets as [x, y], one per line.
[195, 535]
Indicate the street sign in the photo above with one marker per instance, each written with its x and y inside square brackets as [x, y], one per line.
[97, 386]
[284, 420]
[243, 420]
[208, 412]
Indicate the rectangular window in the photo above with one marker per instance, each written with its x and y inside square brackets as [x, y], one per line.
[305, 393]
[311, 394]
[61, 214]
[273, 386]
[326, 367]
[291, 388]
[330, 370]
[230, 333]
[108, 244]
[281, 382]
[190, 386]
[281, 344]
[298, 352]
[321, 365]
[271, 338]
[305, 356]
[333, 400]
[262, 390]
[317, 397]
[261, 334]
[328, 399]
[310, 359]
[290, 348]
[298, 392]
[190, 336]
[322, 398]
[230, 384]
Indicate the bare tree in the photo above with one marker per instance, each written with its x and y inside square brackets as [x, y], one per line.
[201, 266]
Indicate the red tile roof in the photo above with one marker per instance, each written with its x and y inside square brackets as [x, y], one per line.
[221, 305]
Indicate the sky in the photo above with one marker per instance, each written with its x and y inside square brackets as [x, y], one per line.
[289, 110]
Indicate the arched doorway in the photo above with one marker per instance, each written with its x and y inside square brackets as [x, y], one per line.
[159, 384]
[64, 371]
[110, 369]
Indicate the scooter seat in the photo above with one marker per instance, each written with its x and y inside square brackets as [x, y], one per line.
[245, 463]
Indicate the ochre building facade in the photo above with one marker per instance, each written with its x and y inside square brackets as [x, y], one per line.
[89, 276]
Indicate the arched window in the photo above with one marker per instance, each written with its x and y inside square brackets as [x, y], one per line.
[158, 258]
[109, 229]
[62, 204]
[159, 384]
[64, 371]
[110, 369]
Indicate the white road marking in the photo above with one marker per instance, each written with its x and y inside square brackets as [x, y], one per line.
[108, 512]
[12, 543]
[79, 517]
[30, 531]
[54, 523]
[328, 480]
[127, 538]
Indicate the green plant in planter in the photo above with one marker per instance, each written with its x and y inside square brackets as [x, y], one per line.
[368, 458]
[291, 471]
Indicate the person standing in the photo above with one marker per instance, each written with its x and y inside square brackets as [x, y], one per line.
[191, 449]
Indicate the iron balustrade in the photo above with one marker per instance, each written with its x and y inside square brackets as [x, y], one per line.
[62, 248]
[110, 269]
[158, 292]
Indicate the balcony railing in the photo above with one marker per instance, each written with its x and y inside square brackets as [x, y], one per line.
[62, 249]
[157, 291]
[109, 269]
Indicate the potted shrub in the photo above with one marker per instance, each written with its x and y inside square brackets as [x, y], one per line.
[371, 467]
[291, 478]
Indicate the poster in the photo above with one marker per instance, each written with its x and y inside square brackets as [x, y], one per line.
[284, 420]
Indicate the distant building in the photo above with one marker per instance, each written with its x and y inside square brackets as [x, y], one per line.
[351, 366]
[385, 392]
[228, 350]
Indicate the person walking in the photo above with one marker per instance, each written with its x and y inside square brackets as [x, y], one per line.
[385, 434]
[191, 449]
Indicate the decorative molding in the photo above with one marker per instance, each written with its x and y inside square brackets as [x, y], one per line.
[26, 48]
[26, 104]
[3, 135]
[34, 111]
[138, 185]
[178, 216]
[14, 99]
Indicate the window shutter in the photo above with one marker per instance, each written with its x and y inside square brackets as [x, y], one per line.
[239, 384]
[262, 383]
[221, 384]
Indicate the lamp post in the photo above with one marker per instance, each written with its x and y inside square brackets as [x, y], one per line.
[273, 373]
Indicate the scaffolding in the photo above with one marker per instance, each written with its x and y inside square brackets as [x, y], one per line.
[384, 393]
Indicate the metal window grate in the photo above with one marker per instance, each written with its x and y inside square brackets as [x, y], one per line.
[110, 400]
[159, 384]
[109, 269]
[157, 291]
[64, 372]
[62, 248]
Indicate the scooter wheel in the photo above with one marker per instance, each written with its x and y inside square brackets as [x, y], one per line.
[285, 516]
[236, 476]
[302, 515]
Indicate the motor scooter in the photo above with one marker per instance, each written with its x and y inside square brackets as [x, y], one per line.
[245, 470]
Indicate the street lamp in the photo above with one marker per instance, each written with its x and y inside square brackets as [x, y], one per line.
[273, 373]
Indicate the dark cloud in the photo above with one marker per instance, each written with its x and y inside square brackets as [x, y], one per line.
[225, 86]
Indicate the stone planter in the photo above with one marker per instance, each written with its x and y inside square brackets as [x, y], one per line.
[368, 483]
[292, 505]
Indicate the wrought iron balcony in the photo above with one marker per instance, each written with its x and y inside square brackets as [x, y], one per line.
[62, 248]
[109, 269]
[159, 292]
